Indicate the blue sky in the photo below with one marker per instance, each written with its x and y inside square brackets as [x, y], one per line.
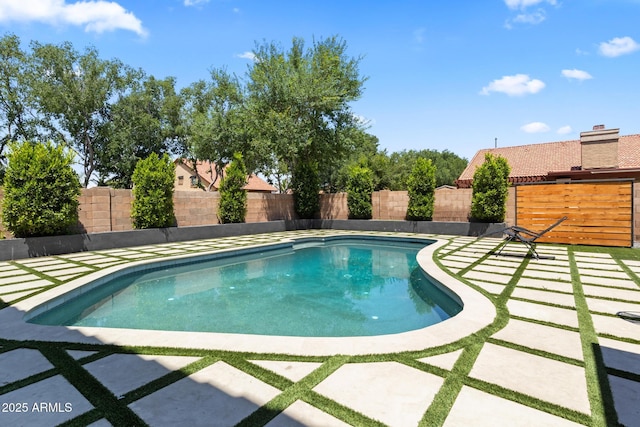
[441, 74]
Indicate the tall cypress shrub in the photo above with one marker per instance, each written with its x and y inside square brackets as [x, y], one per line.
[421, 188]
[233, 196]
[306, 189]
[359, 188]
[153, 180]
[490, 190]
[41, 190]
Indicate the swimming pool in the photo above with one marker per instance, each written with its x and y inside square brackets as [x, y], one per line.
[335, 287]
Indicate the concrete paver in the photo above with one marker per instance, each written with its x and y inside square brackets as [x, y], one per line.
[551, 275]
[546, 379]
[301, 414]
[24, 286]
[611, 307]
[492, 288]
[616, 274]
[218, 395]
[615, 326]
[489, 277]
[479, 409]
[121, 373]
[24, 363]
[541, 337]
[389, 392]
[602, 291]
[565, 300]
[444, 361]
[547, 285]
[545, 313]
[46, 403]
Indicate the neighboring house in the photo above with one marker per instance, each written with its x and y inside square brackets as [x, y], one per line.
[598, 154]
[187, 178]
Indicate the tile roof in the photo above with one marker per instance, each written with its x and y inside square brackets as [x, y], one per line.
[204, 168]
[533, 162]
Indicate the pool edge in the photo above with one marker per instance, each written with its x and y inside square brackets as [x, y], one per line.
[477, 313]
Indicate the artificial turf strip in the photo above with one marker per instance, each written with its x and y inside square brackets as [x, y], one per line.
[598, 389]
[97, 394]
[303, 391]
[442, 403]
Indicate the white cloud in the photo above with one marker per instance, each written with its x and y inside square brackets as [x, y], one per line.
[516, 85]
[576, 74]
[564, 130]
[523, 4]
[618, 46]
[195, 2]
[246, 55]
[535, 127]
[530, 18]
[95, 15]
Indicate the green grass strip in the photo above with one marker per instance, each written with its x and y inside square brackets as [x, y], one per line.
[302, 390]
[598, 390]
[116, 412]
[442, 403]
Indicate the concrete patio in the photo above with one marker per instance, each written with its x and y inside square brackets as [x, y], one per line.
[555, 354]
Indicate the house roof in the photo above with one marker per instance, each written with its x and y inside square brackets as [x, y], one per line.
[204, 168]
[531, 163]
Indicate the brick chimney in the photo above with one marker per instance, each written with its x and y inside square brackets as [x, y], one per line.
[599, 148]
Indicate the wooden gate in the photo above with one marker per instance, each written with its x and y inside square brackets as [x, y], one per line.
[599, 213]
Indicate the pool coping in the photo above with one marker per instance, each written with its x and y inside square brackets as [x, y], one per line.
[478, 312]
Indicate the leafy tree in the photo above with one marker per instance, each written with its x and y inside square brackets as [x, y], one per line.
[306, 185]
[363, 151]
[75, 92]
[490, 190]
[144, 121]
[298, 102]
[41, 190]
[359, 189]
[421, 187]
[215, 117]
[448, 165]
[153, 180]
[233, 196]
[19, 119]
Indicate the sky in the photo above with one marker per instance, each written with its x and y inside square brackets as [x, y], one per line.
[442, 75]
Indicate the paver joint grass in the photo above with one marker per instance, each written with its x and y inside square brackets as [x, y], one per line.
[115, 409]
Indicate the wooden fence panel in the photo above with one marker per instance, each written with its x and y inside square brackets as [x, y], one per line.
[600, 213]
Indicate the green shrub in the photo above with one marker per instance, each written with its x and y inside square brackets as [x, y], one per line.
[41, 190]
[153, 180]
[490, 190]
[306, 189]
[233, 197]
[421, 185]
[359, 188]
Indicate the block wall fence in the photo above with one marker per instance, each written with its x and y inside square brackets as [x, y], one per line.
[104, 209]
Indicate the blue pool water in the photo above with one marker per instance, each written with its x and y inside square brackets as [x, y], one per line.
[341, 287]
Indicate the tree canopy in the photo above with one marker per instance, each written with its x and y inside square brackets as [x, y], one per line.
[293, 105]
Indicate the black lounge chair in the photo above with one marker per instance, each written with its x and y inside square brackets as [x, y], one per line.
[527, 237]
